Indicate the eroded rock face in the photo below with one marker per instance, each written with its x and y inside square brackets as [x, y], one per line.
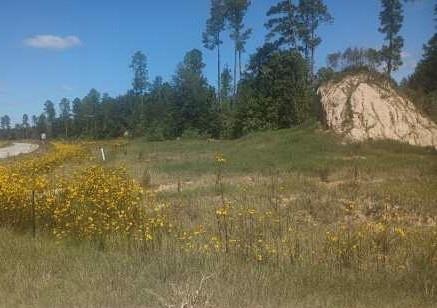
[360, 108]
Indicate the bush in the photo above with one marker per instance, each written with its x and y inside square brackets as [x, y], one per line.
[192, 133]
[275, 94]
[155, 133]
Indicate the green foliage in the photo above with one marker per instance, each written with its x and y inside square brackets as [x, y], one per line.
[276, 93]
[140, 81]
[226, 84]
[312, 13]
[214, 25]
[325, 74]
[211, 37]
[5, 122]
[50, 113]
[25, 121]
[65, 110]
[194, 99]
[391, 18]
[425, 75]
[435, 13]
[235, 12]
[49, 110]
[283, 24]
[351, 60]
[295, 26]
[156, 133]
[422, 84]
[192, 134]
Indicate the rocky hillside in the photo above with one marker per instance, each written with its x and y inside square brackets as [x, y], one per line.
[363, 107]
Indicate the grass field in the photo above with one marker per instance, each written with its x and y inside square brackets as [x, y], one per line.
[292, 218]
[3, 143]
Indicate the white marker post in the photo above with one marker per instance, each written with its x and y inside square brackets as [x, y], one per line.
[103, 154]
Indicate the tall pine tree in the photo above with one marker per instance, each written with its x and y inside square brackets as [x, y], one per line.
[226, 84]
[235, 12]
[435, 14]
[192, 105]
[283, 24]
[140, 85]
[425, 76]
[391, 18]
[140, 81]
[49, 109]
[65, 110]
[211, 37]
[311, 14]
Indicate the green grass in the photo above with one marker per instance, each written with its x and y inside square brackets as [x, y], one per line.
[299, 150]
[315, 174]
[41, 273]
[4, 143]
[291, 153]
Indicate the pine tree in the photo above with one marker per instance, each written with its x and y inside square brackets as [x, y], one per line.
[78, 119]
[65, 109]
[425, 76]
[391, 18]
[193, 97]
[211, 37]
[25, 124]
[311, 13]
[140, 85]
[235, 12]
[283, 24]
[90, 106]
[6, 122]
[49, 109]
[140, 81]
[34, 120]
[435, 14]
[226, 84]
[333, 60]
[276, 91]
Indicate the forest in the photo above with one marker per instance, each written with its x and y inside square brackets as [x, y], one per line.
[276, 89]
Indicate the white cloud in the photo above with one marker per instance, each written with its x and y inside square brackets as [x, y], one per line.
[48, 41]
[66, 88]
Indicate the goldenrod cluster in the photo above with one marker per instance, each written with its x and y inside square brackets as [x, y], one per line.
[100, 202]
[93, 203]
[271, 236]
[24, 184]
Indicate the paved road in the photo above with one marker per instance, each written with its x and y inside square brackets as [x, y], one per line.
[17, 148]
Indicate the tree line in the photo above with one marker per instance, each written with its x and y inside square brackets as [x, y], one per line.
[276, 89]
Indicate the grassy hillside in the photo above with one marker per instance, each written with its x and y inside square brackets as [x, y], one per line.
[344, 225]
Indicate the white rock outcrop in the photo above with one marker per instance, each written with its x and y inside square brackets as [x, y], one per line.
[361, 107]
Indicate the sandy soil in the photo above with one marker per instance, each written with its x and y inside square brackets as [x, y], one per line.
[17, 148]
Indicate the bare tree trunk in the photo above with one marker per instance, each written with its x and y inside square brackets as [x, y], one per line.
[239, 63]
[219, 81]
[390, 57]
[312, 55]
[235, 71]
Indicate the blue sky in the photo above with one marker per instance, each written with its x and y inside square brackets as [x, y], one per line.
[51, 49]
